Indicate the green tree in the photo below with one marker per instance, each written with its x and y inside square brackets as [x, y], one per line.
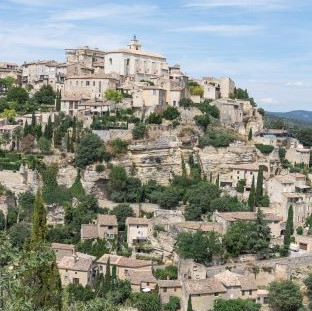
[171, 113]
[45, 95]
[114, 95]
[192, 213]
[58, 102]
[185, 102]
[44, 145]
[146, 301]
[240, 185]
[122, 212]
[17, 94]
[200, 246]
[169, 198]
[107, 278]
[236, 305]
[259, 187]
[39, 228]
[250, 134]
[90, 150]
[154, 118]
[48, 130]
[289, 227]
[252, 195]
[202, 120]
[139, 131]
[173, 304]
[308, 283]
[189, 304]
[285, 296]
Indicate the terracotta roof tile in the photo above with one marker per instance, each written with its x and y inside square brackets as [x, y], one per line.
[206, 286]
[137, 221]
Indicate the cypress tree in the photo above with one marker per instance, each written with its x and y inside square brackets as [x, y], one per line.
[114, 274]
[33, 120]
[48, 130]
[74, 134]
[252, 193]
[289, 227]
[218, 181]
[183, 167]
[210, 177]
[58, 102]
[189, 304]
[259, 187]
[39, 228]
[250, 134]
[107, 278]
[68, 142]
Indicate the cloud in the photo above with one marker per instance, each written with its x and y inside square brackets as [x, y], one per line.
[298, 84]
[269, 100]
[225, 30]
[248, 4]
[105, 11]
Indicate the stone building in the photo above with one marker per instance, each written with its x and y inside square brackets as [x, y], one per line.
[168, 288]
[298, 155]
[216, 88]
[124, 265]
[134, 62]
[89, 85]
[78, 268]
[10, 70]
[63, 250]
[105, 227]
[138, 231]
[227, 218]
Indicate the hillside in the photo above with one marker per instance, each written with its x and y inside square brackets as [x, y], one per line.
[299, 115]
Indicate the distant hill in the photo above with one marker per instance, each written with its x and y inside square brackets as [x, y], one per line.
[298, 115]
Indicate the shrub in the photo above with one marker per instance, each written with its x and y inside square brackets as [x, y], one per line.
[154, 118]
[240, 185]
[185, 102]
[139, 131]
[265, 149]
[173, 304]
[203, 120]
[100, 168]
[216, 138]
[117, 146]
[171, 113]
[299, 230]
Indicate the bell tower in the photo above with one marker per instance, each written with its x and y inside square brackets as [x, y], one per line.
[134, 44]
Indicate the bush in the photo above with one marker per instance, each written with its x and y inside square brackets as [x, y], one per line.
[169, 198]
[216, 138]
[171, 113]
[203, 120]
[117, 146]
[240, 185]
[185, 102]
[100, 168]
[299, 230]
[173, 304]
[168, 273]
[154, 118]
[265, 149]
[139, 131]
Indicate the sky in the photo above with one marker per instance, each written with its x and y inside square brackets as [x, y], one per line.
[263, 45]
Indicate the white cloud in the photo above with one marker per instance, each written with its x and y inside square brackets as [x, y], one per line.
[105, 11]
[298, 84]
[225, 30]
[250, 4]
[269, 100]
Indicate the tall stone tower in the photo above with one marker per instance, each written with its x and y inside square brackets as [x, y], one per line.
[134, 44]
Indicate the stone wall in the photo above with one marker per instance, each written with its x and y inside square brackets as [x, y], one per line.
[111, 134]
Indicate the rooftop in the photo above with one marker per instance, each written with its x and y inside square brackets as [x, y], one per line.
[137, 221]
[124, 261]
[169, 283]
[63, 246]
[138, 276]
[91, 76]
[107, 220]
[77, 262]
[206, 286]
[247, 216]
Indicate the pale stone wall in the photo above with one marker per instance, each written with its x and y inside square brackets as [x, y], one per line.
[67, 277]
[111, 134]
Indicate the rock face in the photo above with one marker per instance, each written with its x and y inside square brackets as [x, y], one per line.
[56, 215]
[66, 175]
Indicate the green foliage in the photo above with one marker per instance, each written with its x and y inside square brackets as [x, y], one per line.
[216, 138]
[195, 88]
[185, 102]
[171, 113]
[250, 134]
[77, 292]
[308, 283]
[58, 102]
[289, 227]
[19, 233]
[285, 296]
[305, 136]
[189, 304]
[240, 185]
[202, 194]
[192, 213]
[114, 95]
[45, 96]
[122, 212]
[227, 204]
[252, 194]
[299, 230]
[48, 130]
[236, 305]
[202, 120]
[200, 246]
[100, 168]
[117, 147]
[39, 228]
[90, 150]
[169, 198]
[95, 248]
[2, 221]
[26, 201]
[259, 187]
[76, 189]
[173, 304]
[154, 118]
[44, 145]
[139, 131]
[265, 149]
[19, 95]
[168, 273]
[146, 301]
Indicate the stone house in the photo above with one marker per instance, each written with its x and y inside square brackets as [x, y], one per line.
[168, 288]
[89, 85]
[10, 70]
[63, 250]
[138, 231]
[304, 242]
[39, 73]
[105, 227]
[134, 62]
[141, 280]
[246, 171]
[215, 88]
[193, 226]
[227, 218]
[70, 104]
[190, 270]
[123, 265]
[298, 155]
[78, 268]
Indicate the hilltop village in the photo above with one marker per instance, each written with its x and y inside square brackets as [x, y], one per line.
[144, 189]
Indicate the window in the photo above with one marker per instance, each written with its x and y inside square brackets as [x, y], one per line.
[110, 61]
[76, 280]
[250, 292]
[87, 83]
[93, 83]
[243, 293]
[165, 290]
[154, 92]
[147, 283]
[174, 103]
[216, 294]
